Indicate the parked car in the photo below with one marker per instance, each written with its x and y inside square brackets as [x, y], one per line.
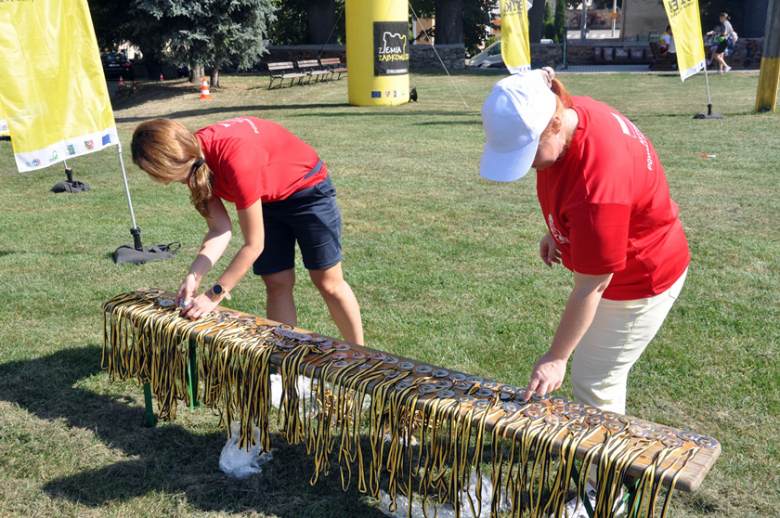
[489, 58]
[115, 65]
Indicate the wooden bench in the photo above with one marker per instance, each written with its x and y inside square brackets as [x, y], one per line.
[661, 62]
[284, 70]
[745, 55]
[312, 69]
[335, 66]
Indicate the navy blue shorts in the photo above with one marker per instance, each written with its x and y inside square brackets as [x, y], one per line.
[313, 219]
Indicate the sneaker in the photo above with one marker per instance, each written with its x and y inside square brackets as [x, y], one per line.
[709, 62]
[572, 510]
[726, 69]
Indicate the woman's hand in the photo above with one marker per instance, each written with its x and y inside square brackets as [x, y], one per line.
[547, 375]
[548, 250]
[199, 307]
[186, 290]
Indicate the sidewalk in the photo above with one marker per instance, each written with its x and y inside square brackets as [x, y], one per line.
[623, 69]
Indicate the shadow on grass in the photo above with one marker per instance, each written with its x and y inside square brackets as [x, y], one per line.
[166, 459]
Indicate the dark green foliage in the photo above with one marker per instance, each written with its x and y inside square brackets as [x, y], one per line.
[476, 20]
[548, 31]
[289, 28]
[559, 21]
[212, 33]
[111, 22]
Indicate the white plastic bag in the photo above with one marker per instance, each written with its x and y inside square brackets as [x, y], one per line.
[239, 463]
[402, 508]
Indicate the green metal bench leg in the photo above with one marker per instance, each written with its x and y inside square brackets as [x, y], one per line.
[630, 497]
[150, 420]
[192, 376]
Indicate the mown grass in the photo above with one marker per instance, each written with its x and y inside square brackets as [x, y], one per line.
[446, 270]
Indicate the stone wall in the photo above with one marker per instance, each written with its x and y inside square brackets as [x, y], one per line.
[600, 53]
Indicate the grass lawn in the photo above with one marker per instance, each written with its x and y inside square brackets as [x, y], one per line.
[444, 264]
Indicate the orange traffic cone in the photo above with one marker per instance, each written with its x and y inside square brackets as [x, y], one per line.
[161, 77]
[204, 90]
[121, 82]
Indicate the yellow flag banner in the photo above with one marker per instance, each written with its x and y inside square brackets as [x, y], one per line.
[686, 31]
[515, 45]
[52, 87]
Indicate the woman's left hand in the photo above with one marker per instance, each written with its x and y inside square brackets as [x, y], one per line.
[547, 375]
[200, 307]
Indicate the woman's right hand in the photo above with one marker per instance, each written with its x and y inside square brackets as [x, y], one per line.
[549, 251]
[187, 290]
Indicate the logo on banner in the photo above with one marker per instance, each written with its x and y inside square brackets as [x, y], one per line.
[395, 93]
[391, 56]
[106, 139]
[70, 149]
[89, 144]
[376, 95]
[4, 127]
[34, 163]
[54, 156]
[387, 93]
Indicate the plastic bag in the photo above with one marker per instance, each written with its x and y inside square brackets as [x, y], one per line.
[239, 463]
[402, 508]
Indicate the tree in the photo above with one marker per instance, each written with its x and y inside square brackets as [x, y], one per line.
[449, 21]
[477, 18]
[536, 21]
[559, 21]
[210, 33]
[111, 22]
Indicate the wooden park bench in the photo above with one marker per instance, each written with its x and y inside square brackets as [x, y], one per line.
[661, 62]
[312, 69]
[284, 70]
[334, 66]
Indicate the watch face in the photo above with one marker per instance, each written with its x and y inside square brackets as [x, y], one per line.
[217, 289]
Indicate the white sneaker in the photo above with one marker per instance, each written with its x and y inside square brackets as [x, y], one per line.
[572, 510]
[726, 69]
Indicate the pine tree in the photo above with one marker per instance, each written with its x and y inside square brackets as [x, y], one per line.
[559, 21]
[209, 33]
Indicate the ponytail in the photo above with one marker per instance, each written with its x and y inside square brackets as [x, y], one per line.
[562, 103]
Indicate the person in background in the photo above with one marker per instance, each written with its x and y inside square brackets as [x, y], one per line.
[724, 34]
[283, 195]
[611, 221]
[668, 48]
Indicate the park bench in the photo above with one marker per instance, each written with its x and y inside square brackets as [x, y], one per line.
[661, 62]
[284, 70]
[312, 69]
[334, 66]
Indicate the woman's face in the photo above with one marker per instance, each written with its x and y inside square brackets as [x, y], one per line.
[722, 19]
[550, 149]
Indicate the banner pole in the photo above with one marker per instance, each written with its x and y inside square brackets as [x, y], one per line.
[135, 231]
[707, 82]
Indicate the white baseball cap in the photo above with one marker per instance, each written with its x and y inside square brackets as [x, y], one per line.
[514, 115]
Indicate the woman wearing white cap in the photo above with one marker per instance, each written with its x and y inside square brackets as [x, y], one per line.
[605, 199]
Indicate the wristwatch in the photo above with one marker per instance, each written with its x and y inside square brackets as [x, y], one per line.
[220, 292]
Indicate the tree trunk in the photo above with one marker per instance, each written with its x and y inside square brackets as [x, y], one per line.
[196, 73]
[214, 83]
[536, 21]
[322, 21]
[449, 22]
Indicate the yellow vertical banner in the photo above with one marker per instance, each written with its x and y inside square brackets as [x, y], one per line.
[515, 45]
[686, 30]
[52, 87]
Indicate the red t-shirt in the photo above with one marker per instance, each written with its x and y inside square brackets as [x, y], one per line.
[607, 204]
[254, 159]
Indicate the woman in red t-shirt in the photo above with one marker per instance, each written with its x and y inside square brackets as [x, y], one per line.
[282, 194]
[605, 199]
[606, 202]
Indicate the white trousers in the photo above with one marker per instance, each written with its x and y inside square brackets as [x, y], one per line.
[618, 336]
